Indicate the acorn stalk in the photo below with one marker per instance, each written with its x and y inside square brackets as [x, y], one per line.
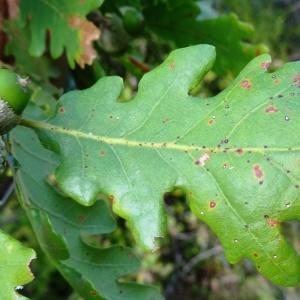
[8, 118]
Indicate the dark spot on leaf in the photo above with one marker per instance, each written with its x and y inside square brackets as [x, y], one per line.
[255, 254]
[225, 165]
[239, 151]
[102, 153]
[211, 121]
[61, 109]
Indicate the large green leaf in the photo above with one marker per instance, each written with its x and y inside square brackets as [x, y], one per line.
[178, 21]
[60, 224]
[14, 266]
[69, 30]
[236, 155]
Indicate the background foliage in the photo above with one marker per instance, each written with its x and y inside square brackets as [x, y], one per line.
[129, 38]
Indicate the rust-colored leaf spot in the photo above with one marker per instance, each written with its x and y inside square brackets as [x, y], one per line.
[212, 204]
[276, 81]
[296, 80]
[246, 84]
[61, 109]
[88, 33]
[239, 151]
[272, 222]
[172, 66]
[258, 172]
[265, 65]
[211, 122]
[271, 109]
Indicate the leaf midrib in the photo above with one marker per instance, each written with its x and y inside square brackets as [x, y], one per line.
[148, 144]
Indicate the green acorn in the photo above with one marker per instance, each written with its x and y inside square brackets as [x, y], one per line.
[133, 19]
[14, 96]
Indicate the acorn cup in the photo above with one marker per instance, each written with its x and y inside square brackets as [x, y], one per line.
[14, 96]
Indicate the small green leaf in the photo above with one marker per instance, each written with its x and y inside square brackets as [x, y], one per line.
[39, 68]
[65, 19]
[14, 266]
[59, 224]
[236, 155]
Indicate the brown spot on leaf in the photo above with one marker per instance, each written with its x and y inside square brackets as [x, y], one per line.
[211, 122]
[246, 84]
[276, 81]
[258, 172]
[271, 109]
[102, 153]
[239, 151]
[212, 204]
[61, 109]
[172, 66]
[88, 33]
